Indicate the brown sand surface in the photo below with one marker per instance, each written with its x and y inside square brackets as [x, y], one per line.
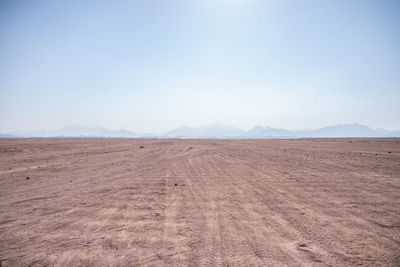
[109, 202]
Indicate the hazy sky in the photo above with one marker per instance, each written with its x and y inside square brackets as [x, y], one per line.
[149, 66]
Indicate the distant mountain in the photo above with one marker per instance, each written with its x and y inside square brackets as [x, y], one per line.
[345, 130]
[264, 132]
[384, 132]
[334, 131]
[6, 136]
[219, 130]
[213, 130]
[75, 131]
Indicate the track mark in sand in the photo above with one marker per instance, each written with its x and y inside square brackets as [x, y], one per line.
[205, 244]
[5, 222]
[23, 169]
[250, 221]
[173, 239]
[31, 199]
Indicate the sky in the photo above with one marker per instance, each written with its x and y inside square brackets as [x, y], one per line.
[154, 65]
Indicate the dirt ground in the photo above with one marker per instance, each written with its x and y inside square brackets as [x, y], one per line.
[128, 202]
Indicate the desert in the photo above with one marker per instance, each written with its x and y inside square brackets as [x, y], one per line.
[193, 202]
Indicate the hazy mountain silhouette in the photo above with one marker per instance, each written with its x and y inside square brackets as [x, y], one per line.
[213, 130]
[6, 136]
[219, 130]
[263, 132]
[339, 130]
[75, 131]
[345, 130]
[216, 130]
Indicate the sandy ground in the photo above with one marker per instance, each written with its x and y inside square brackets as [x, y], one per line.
[109, 202]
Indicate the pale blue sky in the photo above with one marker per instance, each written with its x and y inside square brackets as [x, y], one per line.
[150, 66]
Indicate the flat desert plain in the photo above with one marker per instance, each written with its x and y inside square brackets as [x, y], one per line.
[158, 202]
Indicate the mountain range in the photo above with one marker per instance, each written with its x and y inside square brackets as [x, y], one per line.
[213, 130]
[74, 131]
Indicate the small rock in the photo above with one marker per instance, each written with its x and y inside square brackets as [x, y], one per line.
[27, 178]
[141, 147]
[389, 152]
[176, 184]
[302, 245]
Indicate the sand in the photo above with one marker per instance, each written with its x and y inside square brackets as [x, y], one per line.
[130, 202]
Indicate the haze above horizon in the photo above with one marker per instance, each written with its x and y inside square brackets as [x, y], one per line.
[152, 66]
